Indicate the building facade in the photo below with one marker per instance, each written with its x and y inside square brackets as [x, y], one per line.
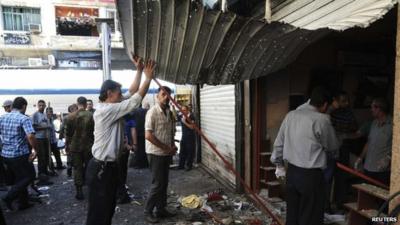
[56, 34]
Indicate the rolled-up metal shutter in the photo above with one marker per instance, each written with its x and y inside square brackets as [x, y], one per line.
[218, 120]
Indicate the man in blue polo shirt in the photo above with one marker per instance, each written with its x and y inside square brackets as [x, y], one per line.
[16, 130]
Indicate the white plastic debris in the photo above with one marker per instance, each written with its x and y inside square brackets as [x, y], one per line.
[238, 206]
[227, 221]
[206, 207]
[333, 218]
[44, 196]
[44, 188]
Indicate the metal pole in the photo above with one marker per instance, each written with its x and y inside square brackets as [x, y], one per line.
[268, 12]
[106, 50]
[224, 6]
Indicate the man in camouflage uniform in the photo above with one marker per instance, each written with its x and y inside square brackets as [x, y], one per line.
[63, 131]
[80, 127]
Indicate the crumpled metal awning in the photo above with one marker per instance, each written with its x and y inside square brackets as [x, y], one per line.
[195, 45]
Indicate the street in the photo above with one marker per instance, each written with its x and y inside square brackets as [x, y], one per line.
[59, 207]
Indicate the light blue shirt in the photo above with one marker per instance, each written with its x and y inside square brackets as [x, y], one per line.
[39, 119]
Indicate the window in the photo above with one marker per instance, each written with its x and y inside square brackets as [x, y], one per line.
[19, 18]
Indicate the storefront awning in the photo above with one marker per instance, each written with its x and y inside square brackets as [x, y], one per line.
[195, 45]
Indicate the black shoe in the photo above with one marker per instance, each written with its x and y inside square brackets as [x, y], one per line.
[61, 167]
[79, 193]
[8, 203]
[25, 206]
[35, 188]
[3, 187]
[44, 183]
[32, 198]
[52, 173]
[164, 214]
[150, 218]
[124, 200]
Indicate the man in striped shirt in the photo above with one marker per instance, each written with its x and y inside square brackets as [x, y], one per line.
[160, 147]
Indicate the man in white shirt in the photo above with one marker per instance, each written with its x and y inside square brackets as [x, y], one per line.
[102, 171]
[304, 138]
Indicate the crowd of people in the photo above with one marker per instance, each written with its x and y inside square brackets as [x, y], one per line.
[313, 138]
[98, 144]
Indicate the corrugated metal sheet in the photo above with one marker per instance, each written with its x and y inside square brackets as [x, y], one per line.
[192, 44]
[218, 119]
[333, 14]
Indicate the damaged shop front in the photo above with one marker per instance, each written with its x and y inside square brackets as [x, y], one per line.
[76, 21]
[264, 70]
[360, 62]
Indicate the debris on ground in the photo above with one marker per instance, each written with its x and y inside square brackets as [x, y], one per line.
[218, 206]
[192, 202]
[44, 188]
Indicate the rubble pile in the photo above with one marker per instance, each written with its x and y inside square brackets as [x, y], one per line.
[216, 207]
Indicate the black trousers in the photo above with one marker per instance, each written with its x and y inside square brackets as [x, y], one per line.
[57, 154]
[159, 166]
[2, 172]
[186, 152]
[102, 181]
[342, 184]
[305, 195]
[43, 155]
[140, 157]
[2, 220]
[24, 173]
[123, 173]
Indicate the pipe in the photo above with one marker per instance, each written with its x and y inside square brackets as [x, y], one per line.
[361, 175]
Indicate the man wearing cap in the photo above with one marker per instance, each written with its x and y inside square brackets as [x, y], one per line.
[7, 105]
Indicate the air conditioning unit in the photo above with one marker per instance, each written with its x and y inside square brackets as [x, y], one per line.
[35, 62]
[35, 28]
